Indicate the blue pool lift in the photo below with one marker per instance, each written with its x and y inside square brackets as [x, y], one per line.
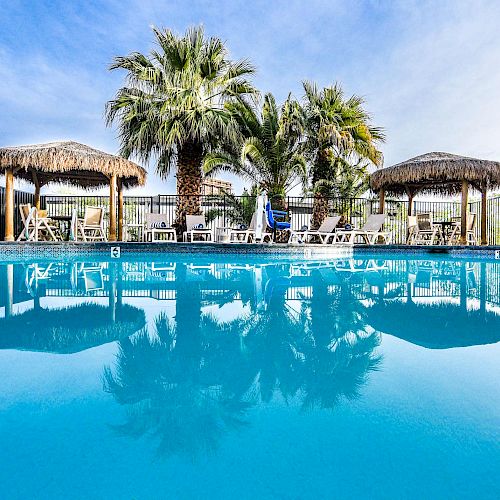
[276, 219]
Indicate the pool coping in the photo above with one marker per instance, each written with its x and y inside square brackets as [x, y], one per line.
[58, 250]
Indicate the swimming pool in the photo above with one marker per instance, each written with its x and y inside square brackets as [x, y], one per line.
[216, 376]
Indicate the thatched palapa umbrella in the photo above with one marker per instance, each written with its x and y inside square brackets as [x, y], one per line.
[70, 163]
[439, 173]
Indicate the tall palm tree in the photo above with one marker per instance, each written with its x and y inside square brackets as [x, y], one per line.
[172, 107]
[271, 154]
[337, 128]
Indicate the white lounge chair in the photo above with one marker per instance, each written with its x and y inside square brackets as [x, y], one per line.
[158, 228]
[197, 230]
[370, 232]
[91, 227]
[241, 235]
[249, 235]
[325, 233]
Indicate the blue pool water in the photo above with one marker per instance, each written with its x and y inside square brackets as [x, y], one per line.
[247, 377]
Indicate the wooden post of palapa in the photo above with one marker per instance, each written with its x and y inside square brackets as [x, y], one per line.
[9, 205]
[120, 208]
[381, 205]
[484, 209]
[112, 208]
[464, 212]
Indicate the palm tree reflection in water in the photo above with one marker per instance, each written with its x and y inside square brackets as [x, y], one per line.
[193, 380]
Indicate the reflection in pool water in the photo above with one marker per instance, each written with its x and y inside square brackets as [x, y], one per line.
[200, 361]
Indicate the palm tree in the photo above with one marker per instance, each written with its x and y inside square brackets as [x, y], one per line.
[271, 154]
[337, 128]
[349, 179]
[173, 109]
[234, 209]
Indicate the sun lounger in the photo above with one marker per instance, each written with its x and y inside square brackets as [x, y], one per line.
[370, 232]
[325, 233]
[197, 230]
[158, 228]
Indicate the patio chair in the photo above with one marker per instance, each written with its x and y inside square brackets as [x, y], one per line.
[427, 232]
[370, 232]
[91, 227]
[196, 227]
[470, 235]
[37, 226]
[157, 226]
[325, 233]
[412, 229]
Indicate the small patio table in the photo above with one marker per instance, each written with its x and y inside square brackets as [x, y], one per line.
[63, 220]
[446, 226]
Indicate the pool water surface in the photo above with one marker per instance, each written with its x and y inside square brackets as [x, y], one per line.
[171, 376]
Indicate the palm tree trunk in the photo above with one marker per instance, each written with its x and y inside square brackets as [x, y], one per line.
[189, 179]
[320, 204]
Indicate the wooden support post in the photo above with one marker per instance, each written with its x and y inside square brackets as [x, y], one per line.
[464, 213]
[411, 195]
[38, 187]
[112, 208]
[381, 205]
[484, 209]
[9, 205]
[37, 197]
[120, 209]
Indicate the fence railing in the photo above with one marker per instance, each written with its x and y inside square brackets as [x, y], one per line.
[224, 211]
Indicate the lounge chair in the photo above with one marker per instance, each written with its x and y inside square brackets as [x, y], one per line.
[196, 227]
[427, 232]
[412, 229]
[370, 232]
[242, 235]
[325, 233]
[91, 227]
[249, 235]
[158, 226]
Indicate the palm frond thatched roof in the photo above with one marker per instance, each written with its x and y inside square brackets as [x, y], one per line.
[439, 173]
[69, 162]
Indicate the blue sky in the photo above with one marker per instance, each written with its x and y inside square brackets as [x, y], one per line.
[429, 70]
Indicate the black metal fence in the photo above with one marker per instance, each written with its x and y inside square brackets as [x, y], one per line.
[222, 211]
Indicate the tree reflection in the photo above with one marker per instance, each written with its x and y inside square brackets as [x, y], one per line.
[191, 381]
[182, 400]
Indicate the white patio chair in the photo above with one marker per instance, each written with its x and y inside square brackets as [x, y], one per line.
[412, 229]
[196, 227]
[427, 232]
[37, 226]
[157, 227]
[325, 233]
[370, 232]
[91, 227]
[470, 235]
